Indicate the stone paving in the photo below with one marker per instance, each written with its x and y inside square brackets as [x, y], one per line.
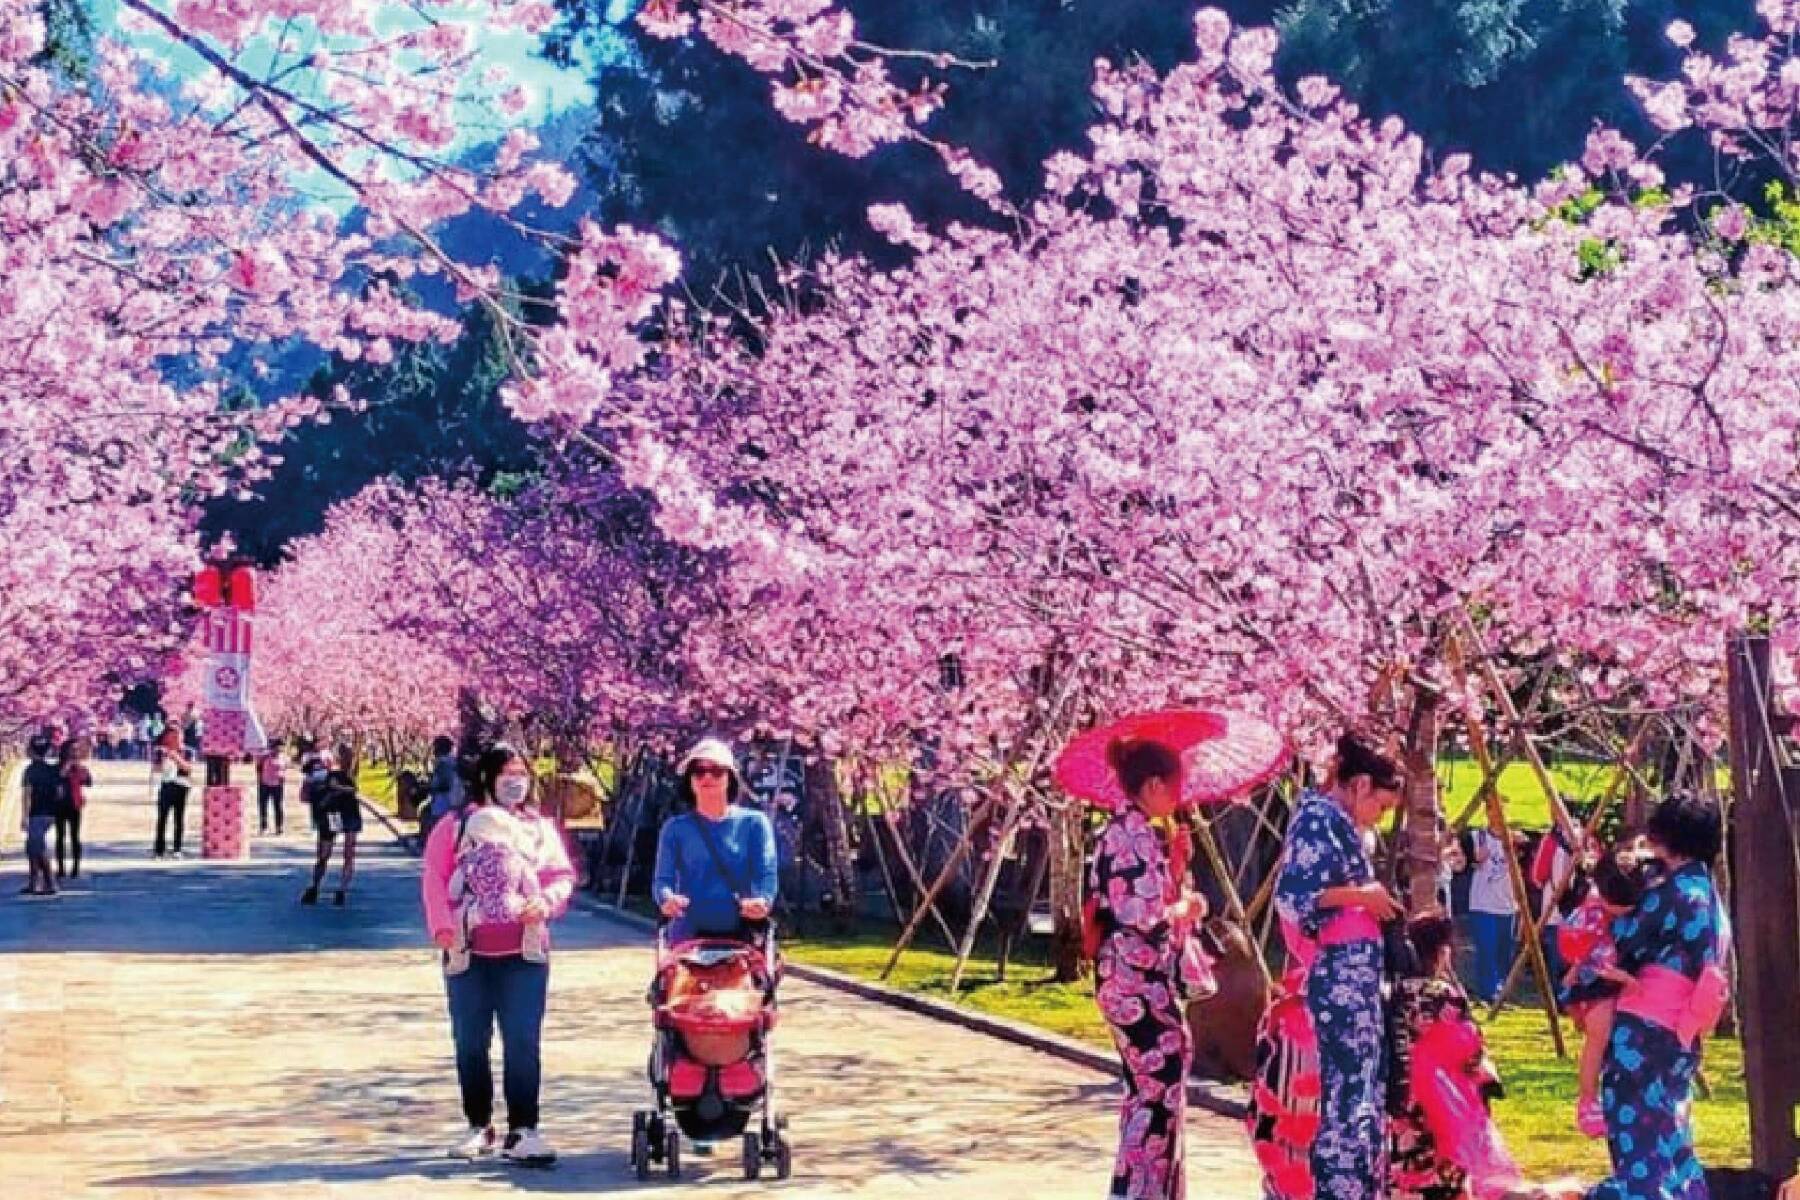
[184, 1028]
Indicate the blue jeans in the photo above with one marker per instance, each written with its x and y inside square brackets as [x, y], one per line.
[1496, 940]
[512, 992]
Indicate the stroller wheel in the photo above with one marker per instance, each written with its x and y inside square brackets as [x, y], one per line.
[753, 1157]
[672, 1153]
[640, 1145]
[784, 1158]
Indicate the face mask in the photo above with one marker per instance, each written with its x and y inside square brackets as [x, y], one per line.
[511, 790]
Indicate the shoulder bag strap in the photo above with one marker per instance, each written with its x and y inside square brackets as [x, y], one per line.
[732, 878]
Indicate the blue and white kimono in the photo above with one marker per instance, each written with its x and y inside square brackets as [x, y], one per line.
[1646, 1087]
[1343, 998]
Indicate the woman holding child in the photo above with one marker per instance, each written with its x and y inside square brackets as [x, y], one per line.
[1671, 988]
[494, 878]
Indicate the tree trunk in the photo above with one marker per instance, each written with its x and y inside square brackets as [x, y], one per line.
[1424, 815]
[1068, 827]
[827, 803]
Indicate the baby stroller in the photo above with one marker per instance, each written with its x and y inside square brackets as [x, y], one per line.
[713, 1005]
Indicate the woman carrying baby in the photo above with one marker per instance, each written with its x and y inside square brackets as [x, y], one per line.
[493, 881]
[1672, 948]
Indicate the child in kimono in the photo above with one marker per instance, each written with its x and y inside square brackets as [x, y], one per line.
[1593, 983]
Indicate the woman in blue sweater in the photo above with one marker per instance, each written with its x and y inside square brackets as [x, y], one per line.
[714, 890]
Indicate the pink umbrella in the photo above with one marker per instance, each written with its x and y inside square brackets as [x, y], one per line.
[1224, 755]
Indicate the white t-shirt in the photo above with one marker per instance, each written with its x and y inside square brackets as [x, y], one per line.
[1490, 890]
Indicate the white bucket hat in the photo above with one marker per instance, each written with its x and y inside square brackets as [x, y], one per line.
[715, 751]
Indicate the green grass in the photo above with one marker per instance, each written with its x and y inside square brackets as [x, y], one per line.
[1065, 1008]
[1538, 1112]
[1524, 800]
[1537, 1115]
[376, 782]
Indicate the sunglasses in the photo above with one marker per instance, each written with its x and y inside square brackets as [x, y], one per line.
[707, 771]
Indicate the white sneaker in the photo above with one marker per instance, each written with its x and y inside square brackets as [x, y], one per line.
[478, 1144]
[525, 1147]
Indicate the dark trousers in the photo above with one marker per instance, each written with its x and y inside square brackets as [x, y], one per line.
[268, 795]
[170, 801]
[68, 838]
[1553, 956]
[512, 993]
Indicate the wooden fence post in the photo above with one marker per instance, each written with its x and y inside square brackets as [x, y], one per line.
[1767, 904]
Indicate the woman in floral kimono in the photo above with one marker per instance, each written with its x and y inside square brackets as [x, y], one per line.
[1149, 966]
[1674, 946]
[1332, 908]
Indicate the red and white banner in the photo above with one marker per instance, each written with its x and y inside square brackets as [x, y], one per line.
[228, 631]
[231, 724]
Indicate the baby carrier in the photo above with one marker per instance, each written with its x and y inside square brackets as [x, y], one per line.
[487, 886]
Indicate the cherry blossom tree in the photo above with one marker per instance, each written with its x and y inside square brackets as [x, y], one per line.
[333, 656]
[1259, 407]
[229, 178]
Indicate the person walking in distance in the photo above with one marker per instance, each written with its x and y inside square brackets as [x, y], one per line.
[337, 810]
[1493, 914]
[77, 779]
[174, 781]
[41, 785]
[271, 776]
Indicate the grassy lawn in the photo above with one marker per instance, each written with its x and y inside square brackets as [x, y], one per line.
[1065, 1008]
[1526, 807]
[1537, 1115]
[376, 781]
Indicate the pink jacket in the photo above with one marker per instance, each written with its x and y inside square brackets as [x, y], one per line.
[555, 876]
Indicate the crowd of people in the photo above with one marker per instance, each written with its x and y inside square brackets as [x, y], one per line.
[1372, 1075]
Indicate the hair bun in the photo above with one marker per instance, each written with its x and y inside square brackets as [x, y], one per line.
[1356, 757]
[1117, 751]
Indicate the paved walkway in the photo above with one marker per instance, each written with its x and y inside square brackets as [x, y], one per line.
[183, 1028]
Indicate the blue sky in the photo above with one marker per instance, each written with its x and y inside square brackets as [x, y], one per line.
[552, 89]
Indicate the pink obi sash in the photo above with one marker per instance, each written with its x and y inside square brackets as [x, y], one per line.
[1350, 925]
[1346, 926]
[1688, 1008]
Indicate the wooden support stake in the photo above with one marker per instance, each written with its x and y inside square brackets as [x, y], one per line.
[1497, 824]
[1521, 736]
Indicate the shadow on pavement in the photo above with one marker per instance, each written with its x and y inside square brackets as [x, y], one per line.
[590, 1120]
